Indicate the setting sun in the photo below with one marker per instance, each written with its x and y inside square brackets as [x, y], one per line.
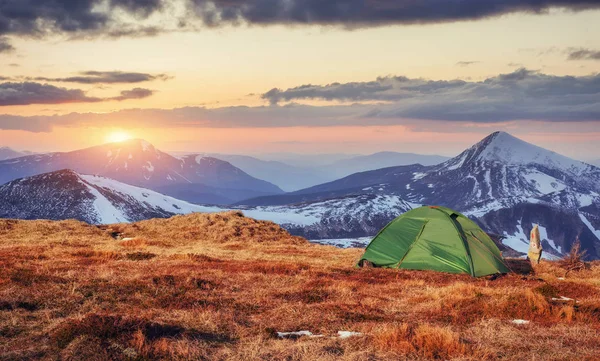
[116, 137]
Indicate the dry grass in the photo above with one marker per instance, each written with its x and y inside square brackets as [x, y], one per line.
[219, 287]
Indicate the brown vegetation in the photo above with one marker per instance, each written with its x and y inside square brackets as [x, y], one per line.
[220, 287]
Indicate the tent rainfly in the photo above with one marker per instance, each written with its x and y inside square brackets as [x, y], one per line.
[435, 238]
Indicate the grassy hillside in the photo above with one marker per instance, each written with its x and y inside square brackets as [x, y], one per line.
[220, 287]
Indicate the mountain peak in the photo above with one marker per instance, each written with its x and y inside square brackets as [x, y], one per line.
[502, 147]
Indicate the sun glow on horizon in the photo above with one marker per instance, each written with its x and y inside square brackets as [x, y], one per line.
[118, 136]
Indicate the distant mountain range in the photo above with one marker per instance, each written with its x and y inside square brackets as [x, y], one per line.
[136, 162]
[345, 167]
[8, 153]
[304, 174]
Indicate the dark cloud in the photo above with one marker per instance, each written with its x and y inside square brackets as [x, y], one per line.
[584, 54]
[43, 17]
[527, 84]
[359, 13]
[27, 93]
[382, 89]
[107, 77]
[137, 93]
[6, 46]
[34, 93]
[467, 63]
[523, 95]
[129, 18]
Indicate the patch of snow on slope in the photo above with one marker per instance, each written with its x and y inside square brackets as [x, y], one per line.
[482, 210]
[417, 176]
[145, 196]
[590, 226]
[106, 212]
[586, 199]
[459, 162]
[544, 236]
[518, 241]
[361, 242]
[544, 183]
[149, 167]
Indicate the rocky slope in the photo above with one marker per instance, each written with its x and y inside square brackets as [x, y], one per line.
[66, 194]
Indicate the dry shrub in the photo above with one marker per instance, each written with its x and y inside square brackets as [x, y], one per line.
[547, 290]
[90, 349]
[395, 338]
[106, 255]
[140, 256]
[195, 257]
[306, 296]
[134, 243]
[125, 330]
[222, 227]
[567, 313]
[438, 342]
[520, 305]
[574, 261]
[428, 341]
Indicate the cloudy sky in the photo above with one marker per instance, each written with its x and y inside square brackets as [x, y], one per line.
[305, 76]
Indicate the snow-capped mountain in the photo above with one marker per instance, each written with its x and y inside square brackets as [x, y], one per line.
[66, 194]
[349, 216]
[139, 163]
[504, 183]
[8, 153]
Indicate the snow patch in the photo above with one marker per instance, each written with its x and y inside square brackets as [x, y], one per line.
[149, 167]
[544, 183]
[145, 196]
[297, 334]
[360, 242]
[590, 226]
[518, 241]
[544, 236]
[107, 213]
[348, 334]
[419, 175]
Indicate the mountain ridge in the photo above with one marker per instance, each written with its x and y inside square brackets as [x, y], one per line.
[138, 162]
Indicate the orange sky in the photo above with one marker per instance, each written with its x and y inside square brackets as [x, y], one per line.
[217, 68]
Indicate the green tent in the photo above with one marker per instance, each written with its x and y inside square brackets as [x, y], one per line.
[435, 238]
